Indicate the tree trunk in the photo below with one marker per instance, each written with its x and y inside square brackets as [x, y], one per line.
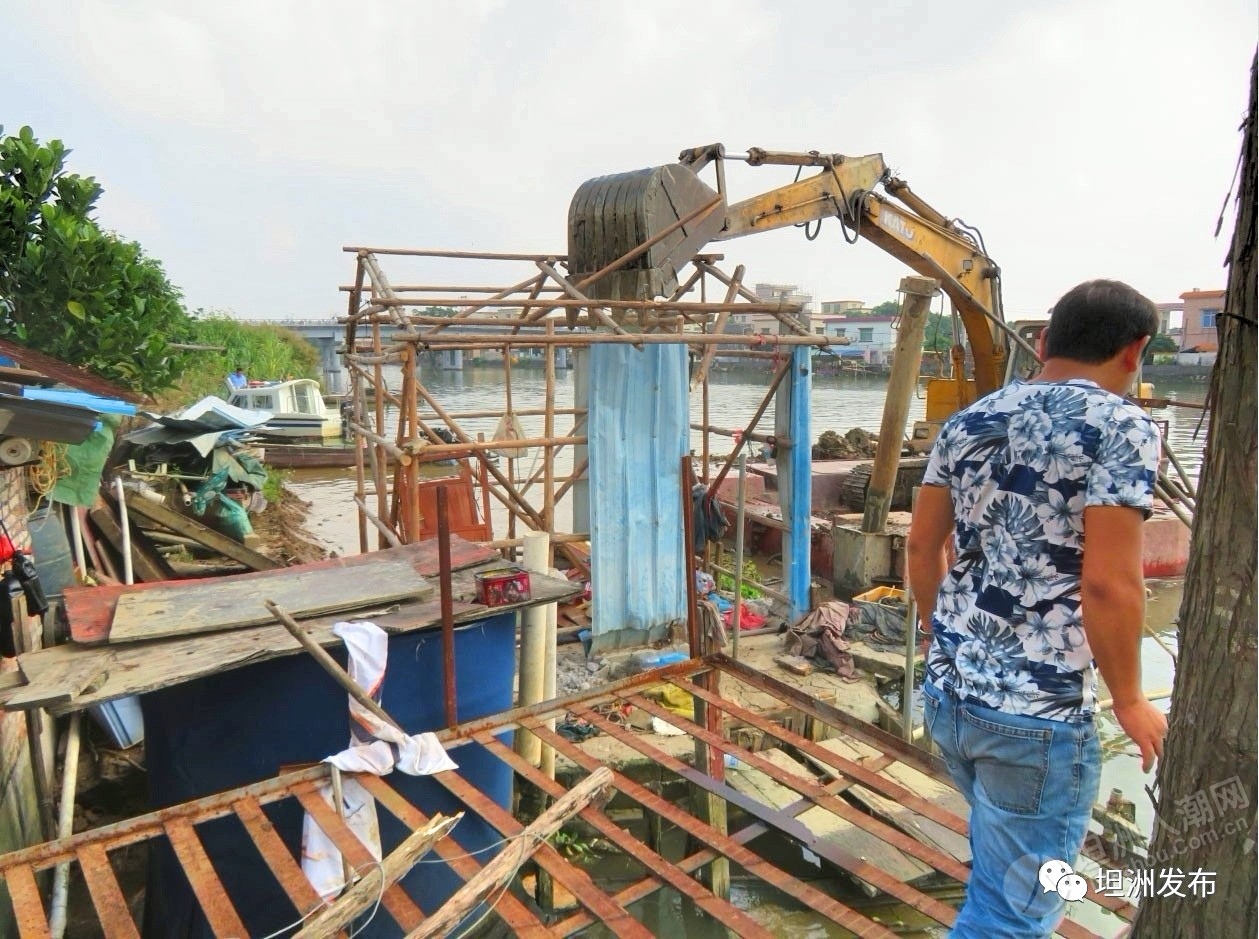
[1207, 785]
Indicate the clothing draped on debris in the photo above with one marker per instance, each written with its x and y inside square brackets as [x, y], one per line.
[820, 635]
[708, 518]
[376, 747]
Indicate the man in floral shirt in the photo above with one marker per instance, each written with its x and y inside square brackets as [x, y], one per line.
[1043, 487]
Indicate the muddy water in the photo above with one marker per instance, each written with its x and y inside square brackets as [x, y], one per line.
[839, 403]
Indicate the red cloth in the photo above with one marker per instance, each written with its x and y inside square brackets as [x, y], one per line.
[747, 619]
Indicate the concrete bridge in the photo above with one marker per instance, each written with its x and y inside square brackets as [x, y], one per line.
[328, 336]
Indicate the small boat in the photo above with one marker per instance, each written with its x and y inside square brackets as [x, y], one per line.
[296, 407]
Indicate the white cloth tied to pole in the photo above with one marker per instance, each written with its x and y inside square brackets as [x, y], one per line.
[376, 747]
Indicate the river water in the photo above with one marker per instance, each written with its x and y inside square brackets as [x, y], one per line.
[839, 403]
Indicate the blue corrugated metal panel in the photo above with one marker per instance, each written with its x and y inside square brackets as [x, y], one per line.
[795, 477]
[638, 425]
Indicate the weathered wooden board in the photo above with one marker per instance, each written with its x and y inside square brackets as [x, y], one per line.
[90, 610]
[61, 687]
[826, 825]
[203, 534]
[924, 829]
[137, 667]
[146, 563]
[186, 609]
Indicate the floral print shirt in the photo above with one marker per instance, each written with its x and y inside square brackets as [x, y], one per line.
[1022, 464]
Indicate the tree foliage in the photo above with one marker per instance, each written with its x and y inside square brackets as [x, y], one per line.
[72, 290]
[263, 350]
[1162, 344]
[886, 308]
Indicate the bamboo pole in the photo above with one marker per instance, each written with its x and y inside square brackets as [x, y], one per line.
[535, 282]
[385, 531]
[548, 453]
[575, 293]
[468, 255]
[382, 505]
[768, 591]
[360, 473]
[548, 304]
[511, 460]
[384, 443]
[580, 340]
[522, 412]
[532, 684]
[556, 538]
[705, 470]
[782, 310]
[760, 412]
[723, 317]
[727, 432]
[500, 871]
[736, 620]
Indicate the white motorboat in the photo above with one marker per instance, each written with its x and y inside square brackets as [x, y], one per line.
[296, 407]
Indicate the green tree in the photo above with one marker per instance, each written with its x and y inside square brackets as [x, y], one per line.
[1162, 344]
[886, 308]
[70, 289]
[939, 335]
[263, 350]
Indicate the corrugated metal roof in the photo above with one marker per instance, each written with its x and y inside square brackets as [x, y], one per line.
[66, 374]
[638, 427]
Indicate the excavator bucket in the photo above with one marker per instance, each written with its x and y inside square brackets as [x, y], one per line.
[611, 215]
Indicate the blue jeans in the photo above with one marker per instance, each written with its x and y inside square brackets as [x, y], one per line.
[1031, 784]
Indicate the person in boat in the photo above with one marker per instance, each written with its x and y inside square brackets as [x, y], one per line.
[238, 379]
[1042, 487]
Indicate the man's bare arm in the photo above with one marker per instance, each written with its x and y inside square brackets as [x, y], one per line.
[1112, 592]
[925, 558]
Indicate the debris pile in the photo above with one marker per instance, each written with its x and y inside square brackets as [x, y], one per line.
[854, 445]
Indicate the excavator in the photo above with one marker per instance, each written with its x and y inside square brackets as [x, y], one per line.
[674, 214]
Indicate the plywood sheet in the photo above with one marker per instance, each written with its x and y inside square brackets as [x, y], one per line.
[90, 610]
[215, 606]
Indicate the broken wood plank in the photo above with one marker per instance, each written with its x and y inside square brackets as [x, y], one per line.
[65, 685]
[137, 667]
[146, 563]
[924, 829]
[394, 899]
[823, 823]
[107, 897]
[90, 610]
[507, 862]
[200, 533]
[797, 665]
[205, 883]
[393, 868]
[187, 608]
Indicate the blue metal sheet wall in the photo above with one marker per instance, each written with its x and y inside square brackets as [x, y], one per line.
[638, 427]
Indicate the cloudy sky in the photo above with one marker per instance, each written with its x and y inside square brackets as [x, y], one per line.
[244, 143]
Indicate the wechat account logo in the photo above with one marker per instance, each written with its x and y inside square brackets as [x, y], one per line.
[1059, 878]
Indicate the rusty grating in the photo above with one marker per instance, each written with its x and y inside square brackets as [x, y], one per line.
[718, 726]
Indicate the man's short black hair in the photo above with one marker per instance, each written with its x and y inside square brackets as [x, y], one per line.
[1093, 321]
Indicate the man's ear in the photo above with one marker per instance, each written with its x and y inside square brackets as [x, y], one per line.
[1132, 353]
[1042, 338]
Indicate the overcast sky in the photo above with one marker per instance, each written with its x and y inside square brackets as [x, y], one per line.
[244, 143]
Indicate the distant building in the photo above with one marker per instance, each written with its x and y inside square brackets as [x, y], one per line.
[1165, 311]
[842, 307]
[874, 336]
[749, 324]
[1198, 337]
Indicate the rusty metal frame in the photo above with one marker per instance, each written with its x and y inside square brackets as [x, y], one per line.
[614, 910]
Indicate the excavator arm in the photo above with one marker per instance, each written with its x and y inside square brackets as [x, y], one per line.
[848, 188]
[667, 214]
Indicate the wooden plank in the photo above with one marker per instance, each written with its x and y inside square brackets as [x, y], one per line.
[215, 606]
[107, 897]
[924, 829]
[396, 900]
[215, 903]
[28, 908]
[147, 565]
[137, 667]
[276, 853]
[59, 688]
[822, 822]
[202, 534]
[91, 609]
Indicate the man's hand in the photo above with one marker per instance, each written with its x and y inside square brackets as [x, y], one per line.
[1146, 726]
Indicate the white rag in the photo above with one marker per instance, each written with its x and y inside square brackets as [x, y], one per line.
[376, 747]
